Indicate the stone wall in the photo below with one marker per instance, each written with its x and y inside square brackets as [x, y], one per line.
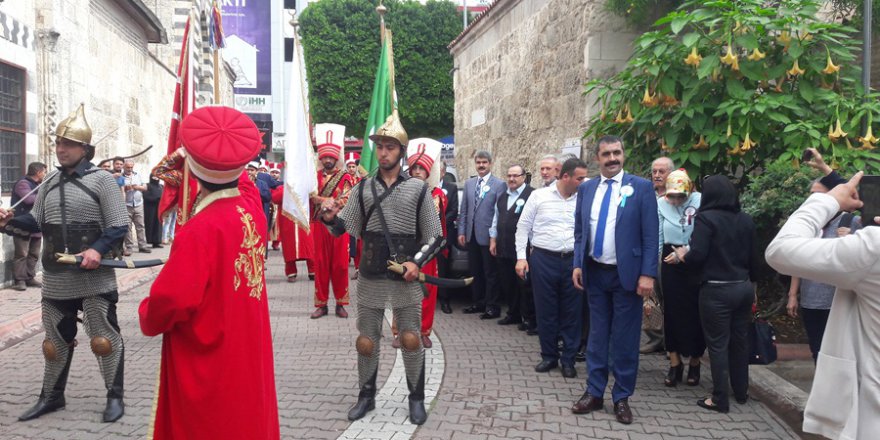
[520, 77]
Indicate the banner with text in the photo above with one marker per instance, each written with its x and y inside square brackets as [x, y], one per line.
[249, 53]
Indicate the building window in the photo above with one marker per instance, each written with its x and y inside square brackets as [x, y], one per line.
[12, 125]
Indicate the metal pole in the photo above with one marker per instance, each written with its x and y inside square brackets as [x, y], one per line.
[464, 13]
[381, 9]
[866, 45]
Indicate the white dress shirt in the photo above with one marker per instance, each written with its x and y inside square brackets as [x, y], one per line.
[512, 197]
[609, 251]
[548, 220]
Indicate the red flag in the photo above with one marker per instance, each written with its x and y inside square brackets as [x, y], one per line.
[183, 102]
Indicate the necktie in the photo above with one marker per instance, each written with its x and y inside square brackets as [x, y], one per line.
[479, 188]
[603, 218]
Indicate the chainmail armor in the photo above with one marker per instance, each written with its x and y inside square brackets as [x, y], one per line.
[96, 311]
[81, 208]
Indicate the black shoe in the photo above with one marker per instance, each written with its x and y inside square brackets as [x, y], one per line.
[693, 378]
[509, 320]
[546, 366]
[532, 331]
[144, 250]
[673, 377]
[114, 410]
[311, 277]
[473, 309]
[523, 326]
[158, 246]
[743, 400]
[702, 403]
[43, 406]
[445, 307]
[580, 356]
[361, 408]
[417, 414]
[569, 371]
[491, 314]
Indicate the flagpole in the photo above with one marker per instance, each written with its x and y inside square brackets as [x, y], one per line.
[216, 76]
[381, 9]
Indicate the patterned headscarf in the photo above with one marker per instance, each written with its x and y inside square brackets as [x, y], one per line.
[678, 182]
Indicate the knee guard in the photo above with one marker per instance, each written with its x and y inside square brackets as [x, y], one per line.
[410, 340]
[101, 346]
[50, 352]
[364, 345]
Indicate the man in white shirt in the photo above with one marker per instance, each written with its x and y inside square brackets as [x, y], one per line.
[548, 222]
[845, 398]
[134, 202]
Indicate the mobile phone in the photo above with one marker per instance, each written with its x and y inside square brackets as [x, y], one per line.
[807, 156]
[869, 193]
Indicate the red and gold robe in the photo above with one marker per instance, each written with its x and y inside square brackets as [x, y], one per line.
[429, 304]
[209, 304]
[330, 253]
[296, 243]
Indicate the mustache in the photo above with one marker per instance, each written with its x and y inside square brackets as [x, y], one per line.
[608, 164]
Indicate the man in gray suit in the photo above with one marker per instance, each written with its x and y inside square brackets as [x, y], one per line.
[474, 220]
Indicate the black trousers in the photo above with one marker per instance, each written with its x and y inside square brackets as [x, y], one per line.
[814, 324]
[511, 286]
[725, 311]
[484, 269]
[443, 272]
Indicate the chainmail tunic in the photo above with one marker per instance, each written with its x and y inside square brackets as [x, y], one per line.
[400, 209]
[81, 208]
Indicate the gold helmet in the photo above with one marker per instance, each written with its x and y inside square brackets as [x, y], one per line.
[75, 127]
[392, 129]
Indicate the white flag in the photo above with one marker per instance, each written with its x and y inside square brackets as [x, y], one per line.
[300, 173]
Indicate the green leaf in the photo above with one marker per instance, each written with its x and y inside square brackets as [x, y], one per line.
[807, 91]
[690, 39]
[707, 65]
[667, 86]
[749, 41]
[736, 89]
[659, 49]
[654, 69]
[791, 127]
[678, 24]
[795, 50]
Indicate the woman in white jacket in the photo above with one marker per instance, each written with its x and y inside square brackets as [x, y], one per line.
[845, 399]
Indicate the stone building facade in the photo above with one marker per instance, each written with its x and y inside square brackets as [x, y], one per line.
[519, 76]
[118, 57]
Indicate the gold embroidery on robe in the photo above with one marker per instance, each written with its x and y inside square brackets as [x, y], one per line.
[249, 264]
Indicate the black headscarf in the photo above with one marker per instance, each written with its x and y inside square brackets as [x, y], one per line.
[719, 193]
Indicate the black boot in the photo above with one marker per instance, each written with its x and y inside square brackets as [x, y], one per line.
[366, 400]
[54, 400]
[115, 406]
[417, 413]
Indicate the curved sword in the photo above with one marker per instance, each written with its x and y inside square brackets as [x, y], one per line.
[126, 263]
[429, 279]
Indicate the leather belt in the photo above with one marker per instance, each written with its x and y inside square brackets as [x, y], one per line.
[603, 266]
[557, 254]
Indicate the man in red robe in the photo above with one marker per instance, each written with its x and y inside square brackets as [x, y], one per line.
[296, 242]
[330, 253]
[352, 162]
[209, 303]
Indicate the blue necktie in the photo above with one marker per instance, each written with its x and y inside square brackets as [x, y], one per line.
[603, 218]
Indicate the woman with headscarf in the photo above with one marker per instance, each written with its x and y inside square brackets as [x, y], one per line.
[722, 247]
[681, 287]
[152, 224]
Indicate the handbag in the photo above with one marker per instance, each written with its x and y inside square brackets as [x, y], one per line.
[652, 318]
[762, 342]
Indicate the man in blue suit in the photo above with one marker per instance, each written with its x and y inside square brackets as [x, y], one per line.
[615, 251]
[474, 220]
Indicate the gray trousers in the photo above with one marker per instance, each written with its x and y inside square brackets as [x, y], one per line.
[27, 252]
[136, 216]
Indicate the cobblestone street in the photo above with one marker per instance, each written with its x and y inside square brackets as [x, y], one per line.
[481, 374]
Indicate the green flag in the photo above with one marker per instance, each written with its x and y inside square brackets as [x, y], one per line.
[384, 100]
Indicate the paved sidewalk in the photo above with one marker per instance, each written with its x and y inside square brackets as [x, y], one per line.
[485, 384]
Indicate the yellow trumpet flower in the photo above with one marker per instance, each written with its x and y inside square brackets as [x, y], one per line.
[619, 118]
[757, 55]
[735, 65]
[796, 69]
[747, 143]
[729, 130]
[830, 68]
[729, 58]
[649, 100]
[694, 58]
[837, 133]
[739, 29]
[701, 144]
[868, 140]
[784, 38]
[663, 146]
[735, 151]
[629, 116]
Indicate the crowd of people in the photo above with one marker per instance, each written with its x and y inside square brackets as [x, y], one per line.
[577, 261]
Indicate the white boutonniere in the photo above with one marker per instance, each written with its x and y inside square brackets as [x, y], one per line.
[484, 189]
[625, 193]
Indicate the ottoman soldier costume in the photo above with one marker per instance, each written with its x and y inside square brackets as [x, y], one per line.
[396, 223]
[79, 210]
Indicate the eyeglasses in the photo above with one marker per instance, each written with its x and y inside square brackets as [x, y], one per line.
[514, 176]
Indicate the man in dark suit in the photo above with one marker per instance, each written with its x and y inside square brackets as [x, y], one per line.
[451, 190]
[502, 242]
[616, 241]
[475, 218]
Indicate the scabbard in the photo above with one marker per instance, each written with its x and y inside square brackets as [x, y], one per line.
[116, 264]
[452, 283]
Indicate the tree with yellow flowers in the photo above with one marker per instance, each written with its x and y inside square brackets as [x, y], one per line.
[727, 86]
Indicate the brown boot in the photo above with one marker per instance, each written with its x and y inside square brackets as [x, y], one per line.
[340, 311]
[319, 312]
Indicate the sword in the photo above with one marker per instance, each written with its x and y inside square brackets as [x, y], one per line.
[126, 263]
[424, 278]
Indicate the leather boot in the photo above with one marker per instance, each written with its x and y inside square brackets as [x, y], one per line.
[115, 406]
[366, 400]
[417, 413]
[54, 400]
